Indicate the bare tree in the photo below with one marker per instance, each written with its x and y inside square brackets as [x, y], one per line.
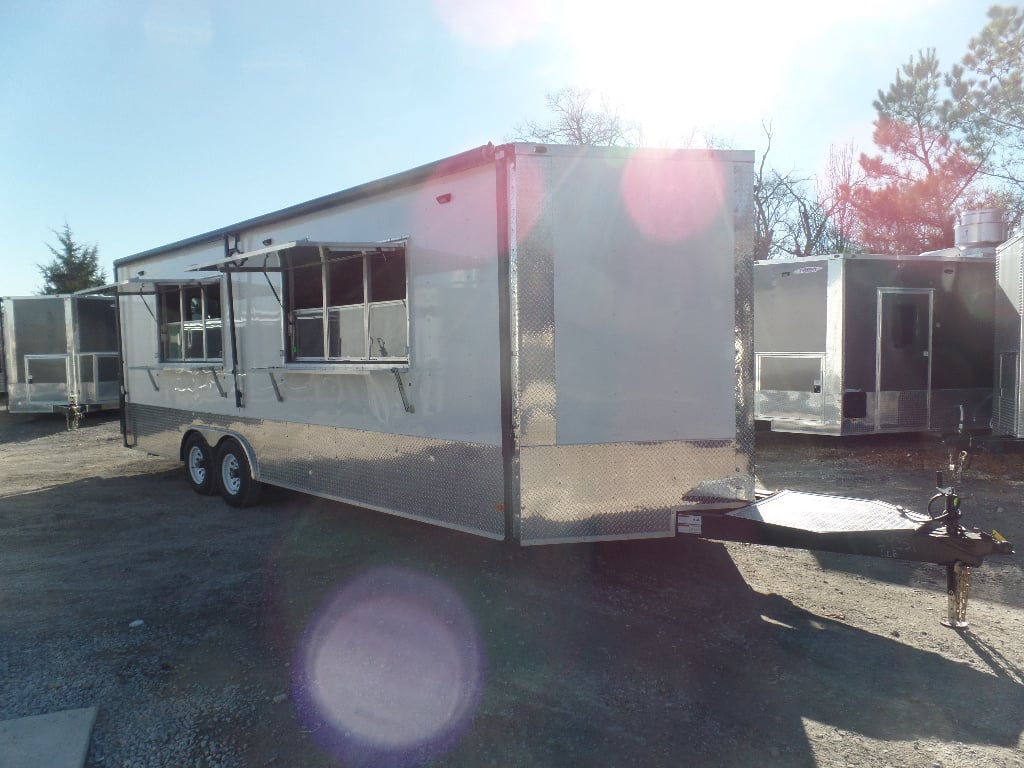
[842, 177]
[823, 222]
[806, 224]
[773, 203]
[576, 121]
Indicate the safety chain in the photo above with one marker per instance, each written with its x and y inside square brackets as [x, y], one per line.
[958, 465]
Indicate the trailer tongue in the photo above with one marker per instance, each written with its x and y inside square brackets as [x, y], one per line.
[860, 527]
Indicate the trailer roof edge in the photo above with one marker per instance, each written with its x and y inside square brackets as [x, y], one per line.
[453, 164]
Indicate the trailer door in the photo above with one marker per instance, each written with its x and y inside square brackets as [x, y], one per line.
[903, 367]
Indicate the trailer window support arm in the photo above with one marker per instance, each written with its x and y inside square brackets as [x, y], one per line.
[149, 308]
[229, 251]
[277, 389]
[273, 290]
[216, 380]
[409, 407]
[122, 387]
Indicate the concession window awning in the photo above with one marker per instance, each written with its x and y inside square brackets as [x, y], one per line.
[256, 261]
[141, 286]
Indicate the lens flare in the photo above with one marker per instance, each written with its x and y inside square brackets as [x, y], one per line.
[670, 199]
[489, 24]
[390, 669]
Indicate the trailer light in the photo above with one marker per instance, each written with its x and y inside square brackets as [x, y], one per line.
[268, 241]
[445, 198]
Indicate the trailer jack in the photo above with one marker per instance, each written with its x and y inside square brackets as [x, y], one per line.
[800, 520]
[73, 413]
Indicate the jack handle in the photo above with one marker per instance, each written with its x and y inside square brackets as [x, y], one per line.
[951, 512]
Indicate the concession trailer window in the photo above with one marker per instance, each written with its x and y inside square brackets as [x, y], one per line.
[340, 302]
[345, 304]
[189, 318]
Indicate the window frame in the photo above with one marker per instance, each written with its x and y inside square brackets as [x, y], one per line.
[331, 314]
[174, 294]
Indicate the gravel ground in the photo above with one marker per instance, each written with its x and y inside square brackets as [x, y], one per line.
[307, 633]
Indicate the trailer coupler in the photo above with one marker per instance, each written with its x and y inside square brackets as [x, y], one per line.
[800, 520]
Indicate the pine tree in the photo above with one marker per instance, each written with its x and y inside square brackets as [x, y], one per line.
[987, 90]
[907, 202]
[75, 266]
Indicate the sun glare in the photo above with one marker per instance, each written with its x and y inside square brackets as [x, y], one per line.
[675, 66]
[490, 24]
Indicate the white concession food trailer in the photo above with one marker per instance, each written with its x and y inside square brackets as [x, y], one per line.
[526, 342]
[538, 342]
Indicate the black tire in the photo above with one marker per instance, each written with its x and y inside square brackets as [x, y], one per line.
[234, 475]
[199, 464]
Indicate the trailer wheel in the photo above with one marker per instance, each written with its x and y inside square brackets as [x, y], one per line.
[199, 464]
[234, 475]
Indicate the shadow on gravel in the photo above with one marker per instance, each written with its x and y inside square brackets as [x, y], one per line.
[997, 580]
[928, 446]
[17, 427]
[652, 653]
[643, 652]
[900, 468]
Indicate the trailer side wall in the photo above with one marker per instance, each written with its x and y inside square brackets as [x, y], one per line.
[343, 431]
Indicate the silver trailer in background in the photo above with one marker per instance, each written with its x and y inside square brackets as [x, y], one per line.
[60, 353]
[855, 344]
[529, 342]
[3, 363]
[1008, 396]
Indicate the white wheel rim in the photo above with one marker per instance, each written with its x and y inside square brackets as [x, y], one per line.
[230, 475]
[197, 465]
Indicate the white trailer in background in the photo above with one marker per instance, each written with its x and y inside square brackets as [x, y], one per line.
[1008, 395]
[59, 353]
[3, 361]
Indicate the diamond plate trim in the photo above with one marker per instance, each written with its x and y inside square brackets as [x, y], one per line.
[456, 485]
[624, 490]
[828, 514]
[743, 253]
[535, 310]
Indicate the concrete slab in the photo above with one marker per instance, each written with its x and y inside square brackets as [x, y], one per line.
[54, 740]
